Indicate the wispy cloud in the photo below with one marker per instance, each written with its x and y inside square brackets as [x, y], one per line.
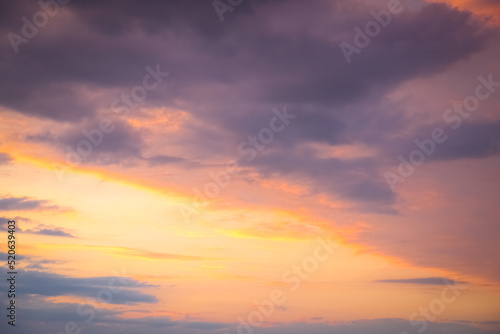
[422, 281]
[50, 230]
[5, 158]
[28, 204]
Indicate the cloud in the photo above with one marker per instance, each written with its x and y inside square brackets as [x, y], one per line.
[85, 143]
[4, 220]
[320, 74]
[50, 230]
[423, 281]
[46, 314]
[134, 252]
[38, 229]
[355, 180]
[162, 159]
[27, 204]
[49, 284]
[237, 71]
[122, 143]
[35, 262]
[5, 158]
[52, 317]
[473, 140]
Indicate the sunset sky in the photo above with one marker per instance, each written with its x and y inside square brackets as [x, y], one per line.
[251, 166]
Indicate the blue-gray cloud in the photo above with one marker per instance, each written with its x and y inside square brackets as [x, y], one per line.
[51, 231]
[423, 281]
[27, 204]
[48, 284]
[54, 316]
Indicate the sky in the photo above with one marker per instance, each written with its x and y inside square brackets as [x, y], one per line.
[237, 166]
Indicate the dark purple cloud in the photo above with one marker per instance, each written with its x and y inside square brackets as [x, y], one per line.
[277, 65]
[230, 74]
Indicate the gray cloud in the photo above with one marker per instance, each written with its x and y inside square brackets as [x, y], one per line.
[228, 76]
[38, 229]
[471, 140]
[112, 57]
[27, 204]
[474, 139]
[162, 159]
[122, 143]
[53, 317]
[48, 230]
[49, 284]
[423, 281]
